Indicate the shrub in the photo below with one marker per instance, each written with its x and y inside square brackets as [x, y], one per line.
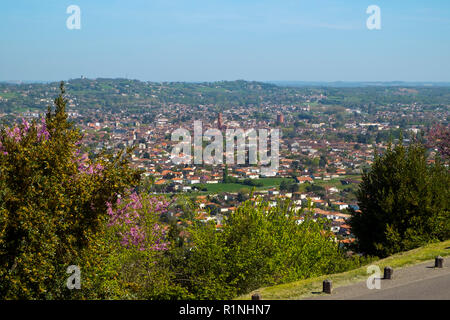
[258, 245]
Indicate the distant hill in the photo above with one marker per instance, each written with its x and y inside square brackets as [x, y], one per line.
[350, 84]
[121, 94]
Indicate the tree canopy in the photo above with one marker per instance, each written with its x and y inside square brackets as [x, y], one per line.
[404, 202]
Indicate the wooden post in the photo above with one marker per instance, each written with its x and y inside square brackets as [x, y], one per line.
[327, 286]
[388, 271]
[256, 296]
[439, 262]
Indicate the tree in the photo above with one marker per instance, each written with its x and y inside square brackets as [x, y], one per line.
[283, 185]
[293, 187]
[257, 246]
[323, 161]
[53, 203]
[243, 194]
[404, 202]
[225, 174]
[137, 267]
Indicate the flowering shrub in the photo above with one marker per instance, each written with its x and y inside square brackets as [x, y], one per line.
[14, 135]
[53, 207]
[135, 221]
[140, 266]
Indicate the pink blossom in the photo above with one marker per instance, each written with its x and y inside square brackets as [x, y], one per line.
[15, 134]
[26, 125]
[43, 131]
[130, 218]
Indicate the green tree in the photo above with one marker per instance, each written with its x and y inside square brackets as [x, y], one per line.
[323, 161]
[53, 207]
[404, 202]
[257, 246]
[225, 178]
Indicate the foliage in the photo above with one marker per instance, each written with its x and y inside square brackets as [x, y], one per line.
[289, 186]
[404, 202]
[258, 245]
[53, 203]
[137, 267]
[134, 224]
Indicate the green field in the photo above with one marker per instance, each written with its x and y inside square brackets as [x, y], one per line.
[336, 182]
[9, 95]
[235, 187]
[275, 183]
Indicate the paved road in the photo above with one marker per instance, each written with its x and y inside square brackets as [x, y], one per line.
[419, 282]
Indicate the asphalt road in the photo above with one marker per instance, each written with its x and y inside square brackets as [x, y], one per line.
[419, 282]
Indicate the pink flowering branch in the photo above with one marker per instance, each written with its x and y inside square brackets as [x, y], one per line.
[136, 222]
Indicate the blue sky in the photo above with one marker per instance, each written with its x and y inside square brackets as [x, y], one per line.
[208, 40]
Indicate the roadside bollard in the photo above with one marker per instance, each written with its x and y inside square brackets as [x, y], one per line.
[256, 296]
[439, 262]
[388, 271]
[327, 286]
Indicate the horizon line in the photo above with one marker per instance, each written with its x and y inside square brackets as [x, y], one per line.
[424, 82]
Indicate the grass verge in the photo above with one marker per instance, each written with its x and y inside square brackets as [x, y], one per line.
[304, 288]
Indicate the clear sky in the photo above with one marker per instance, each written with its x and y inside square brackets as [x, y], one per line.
[208, 40]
